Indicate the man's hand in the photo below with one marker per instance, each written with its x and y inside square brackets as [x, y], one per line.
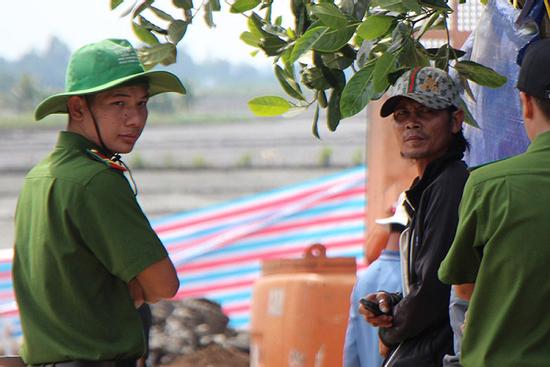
[383, 301]
[136, 292]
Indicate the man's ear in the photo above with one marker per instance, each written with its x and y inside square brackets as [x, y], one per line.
[526, 106]
[457, 118]
[76, 107]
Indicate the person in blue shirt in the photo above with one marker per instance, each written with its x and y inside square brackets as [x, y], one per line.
[361, 343]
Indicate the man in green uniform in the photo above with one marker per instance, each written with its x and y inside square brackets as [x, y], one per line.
[85, 254]
[500, 255]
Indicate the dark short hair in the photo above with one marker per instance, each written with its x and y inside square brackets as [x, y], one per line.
[459, 144]
[136, 81]
[544, 105]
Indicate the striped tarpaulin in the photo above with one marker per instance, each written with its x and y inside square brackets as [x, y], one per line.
[218, 250]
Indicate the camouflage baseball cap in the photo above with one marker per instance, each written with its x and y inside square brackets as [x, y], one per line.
[429, 86]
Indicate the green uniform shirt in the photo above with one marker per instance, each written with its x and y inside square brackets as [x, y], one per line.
[80, 237]
[503, 246]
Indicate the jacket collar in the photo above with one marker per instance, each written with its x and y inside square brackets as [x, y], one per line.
[541, 142]
[70, 140]
[433, 170]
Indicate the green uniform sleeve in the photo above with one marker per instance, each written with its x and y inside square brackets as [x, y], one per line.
[114, 227]
[462, 262]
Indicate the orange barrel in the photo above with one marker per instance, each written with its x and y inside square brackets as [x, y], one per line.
[300, 310]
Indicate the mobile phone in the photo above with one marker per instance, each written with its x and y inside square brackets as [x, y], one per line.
[371, 306]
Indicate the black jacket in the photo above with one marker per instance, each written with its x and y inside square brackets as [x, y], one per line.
[421, 334]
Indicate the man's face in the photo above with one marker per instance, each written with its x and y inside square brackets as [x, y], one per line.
[422, 133]
[121, 114]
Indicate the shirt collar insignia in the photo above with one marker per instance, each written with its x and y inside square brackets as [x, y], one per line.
[109, 162]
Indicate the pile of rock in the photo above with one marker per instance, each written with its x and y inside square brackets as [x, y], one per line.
[194, 332]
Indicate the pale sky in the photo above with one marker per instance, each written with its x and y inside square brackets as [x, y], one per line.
[29, 24]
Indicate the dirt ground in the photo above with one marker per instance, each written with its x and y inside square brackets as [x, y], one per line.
[213, 356]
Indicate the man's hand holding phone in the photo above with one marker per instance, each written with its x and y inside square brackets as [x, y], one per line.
[376, 309]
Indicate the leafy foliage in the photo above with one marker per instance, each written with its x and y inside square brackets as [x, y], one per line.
[373, 41]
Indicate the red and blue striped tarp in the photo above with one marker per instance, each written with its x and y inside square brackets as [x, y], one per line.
[218, 250]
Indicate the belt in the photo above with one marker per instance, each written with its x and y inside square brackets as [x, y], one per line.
[113, 363]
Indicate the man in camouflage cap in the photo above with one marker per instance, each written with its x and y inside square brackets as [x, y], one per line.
[427, 122]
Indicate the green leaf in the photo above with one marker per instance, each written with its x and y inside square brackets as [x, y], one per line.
[335, 39]
[208, 17]
[391, 5]
[358, 92]
[255, 24]
[401, 34]
[413, 5]
[275, 30]
[215, 5]
[307, 41]
[297, 6]
[480, 74]
[115, 3]
[251, 39]
[375, 26]
[466, 85]
[322, 99]
[285, 57]
[333, 110]
[313, 78]
[384, 66]
[278, 21]
[355, 8]
[161, 14]
[428, 24]
[468, 117]
[151, 26]
[176, 30]
[183, 4]
[436, 4]
[330, 15]
[144, 5]
[240, 6]
[164, 53]
[443, 52]
[144, 35]
[288, 84]
[315, 126]
[335, 77]
[410, 55]
[301, 22]
[272, 45]
[337, 60]
[269, 106]
[394, 75]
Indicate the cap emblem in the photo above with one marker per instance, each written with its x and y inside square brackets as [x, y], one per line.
[430, 84]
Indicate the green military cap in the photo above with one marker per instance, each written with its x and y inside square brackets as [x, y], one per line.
[103, 65]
